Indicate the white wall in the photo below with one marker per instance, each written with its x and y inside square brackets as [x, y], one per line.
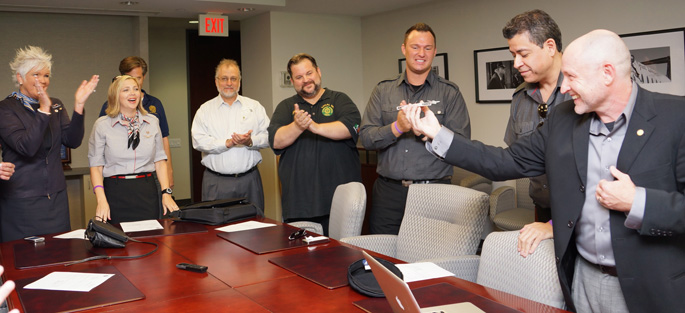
[257, 83]
[168, 81]
[464, 26]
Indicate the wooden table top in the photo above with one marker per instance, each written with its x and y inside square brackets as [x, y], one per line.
[237, 279]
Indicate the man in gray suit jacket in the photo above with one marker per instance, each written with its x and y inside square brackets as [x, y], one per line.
[616, 168]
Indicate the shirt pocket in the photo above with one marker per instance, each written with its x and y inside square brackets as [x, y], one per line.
[389, 114]
[247, 120]
[523, 129]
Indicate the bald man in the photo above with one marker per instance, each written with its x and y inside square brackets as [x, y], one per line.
[615, 159]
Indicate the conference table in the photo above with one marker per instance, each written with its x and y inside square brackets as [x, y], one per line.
[237, 279]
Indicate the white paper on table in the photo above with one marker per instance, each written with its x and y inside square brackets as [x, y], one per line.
[70, 281]
[422, 271]
[244, 226]
[74, 234]
[130, 227]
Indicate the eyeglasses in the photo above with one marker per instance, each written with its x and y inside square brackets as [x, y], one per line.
[542, 113]
[300, 233]
[225, 79]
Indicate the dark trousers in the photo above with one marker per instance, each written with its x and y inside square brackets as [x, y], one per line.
[216, 187]
[387, 211]
[543, 214]
[323, 220]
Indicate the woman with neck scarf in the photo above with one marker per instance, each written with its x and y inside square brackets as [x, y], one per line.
[33, 127]
[125, 150]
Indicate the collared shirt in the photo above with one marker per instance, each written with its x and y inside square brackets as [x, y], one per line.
[405, 157]
[216, 121]
[108, 143]
[524, 120]
[593, 231]
[153, 106]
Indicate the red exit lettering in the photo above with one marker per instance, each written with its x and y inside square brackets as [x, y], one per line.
[214, 25]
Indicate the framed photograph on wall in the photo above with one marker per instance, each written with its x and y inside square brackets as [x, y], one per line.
[496, 77]
[439, 65]
[658, 60]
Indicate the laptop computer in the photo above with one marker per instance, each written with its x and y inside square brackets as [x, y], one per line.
[401, 299]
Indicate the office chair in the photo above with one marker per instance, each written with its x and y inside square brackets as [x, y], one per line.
[501, 267]
[440, 220]
[347, 212]
[464, 178]
[512, 208]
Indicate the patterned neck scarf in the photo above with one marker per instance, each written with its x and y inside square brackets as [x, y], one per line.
[133, 126]
[27, 101]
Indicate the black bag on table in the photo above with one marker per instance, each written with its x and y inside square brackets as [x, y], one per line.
[363, 281]
[218, 212]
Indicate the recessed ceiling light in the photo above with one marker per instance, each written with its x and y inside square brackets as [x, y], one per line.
[194, 22]
[128, 2]
[245, 9]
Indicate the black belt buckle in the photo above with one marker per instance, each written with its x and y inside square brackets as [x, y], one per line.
[609, 270]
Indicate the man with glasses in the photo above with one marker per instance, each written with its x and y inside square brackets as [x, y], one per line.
[229, 130]
[315, 133]
[535, 43]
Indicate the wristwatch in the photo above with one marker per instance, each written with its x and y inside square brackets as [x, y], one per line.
[167, 191]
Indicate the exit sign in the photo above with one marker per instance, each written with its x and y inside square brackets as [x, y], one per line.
[213, 25]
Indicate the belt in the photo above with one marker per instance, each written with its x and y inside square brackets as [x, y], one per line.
[609, 270]
[134, 176]
[406, 182]
[234, 175]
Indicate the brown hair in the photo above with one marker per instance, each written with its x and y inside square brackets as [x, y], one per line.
[129, 63]
[226, 62]
[296, 59]
[420, 27]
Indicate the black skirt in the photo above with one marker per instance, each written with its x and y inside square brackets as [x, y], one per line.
[133, 199]
[23, 217]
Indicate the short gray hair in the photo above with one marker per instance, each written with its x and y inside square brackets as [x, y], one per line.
[27, 59]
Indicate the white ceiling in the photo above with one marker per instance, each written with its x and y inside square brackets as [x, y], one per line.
[191, 8]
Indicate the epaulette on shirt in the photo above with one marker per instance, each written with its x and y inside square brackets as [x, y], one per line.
[522, 86]
[389, 79]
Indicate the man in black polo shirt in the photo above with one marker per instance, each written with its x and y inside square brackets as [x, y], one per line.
[315, 133]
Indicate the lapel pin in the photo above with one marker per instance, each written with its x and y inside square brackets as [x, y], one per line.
[640, 132]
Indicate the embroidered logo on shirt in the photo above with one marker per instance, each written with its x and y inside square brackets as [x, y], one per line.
[356, 128]
[153, 109]
[327, 109]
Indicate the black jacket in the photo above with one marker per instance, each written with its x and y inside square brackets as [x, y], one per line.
[32, 141]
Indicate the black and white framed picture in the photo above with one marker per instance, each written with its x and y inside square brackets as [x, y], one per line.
[496, 77]
[658, 60]
[439, 65]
